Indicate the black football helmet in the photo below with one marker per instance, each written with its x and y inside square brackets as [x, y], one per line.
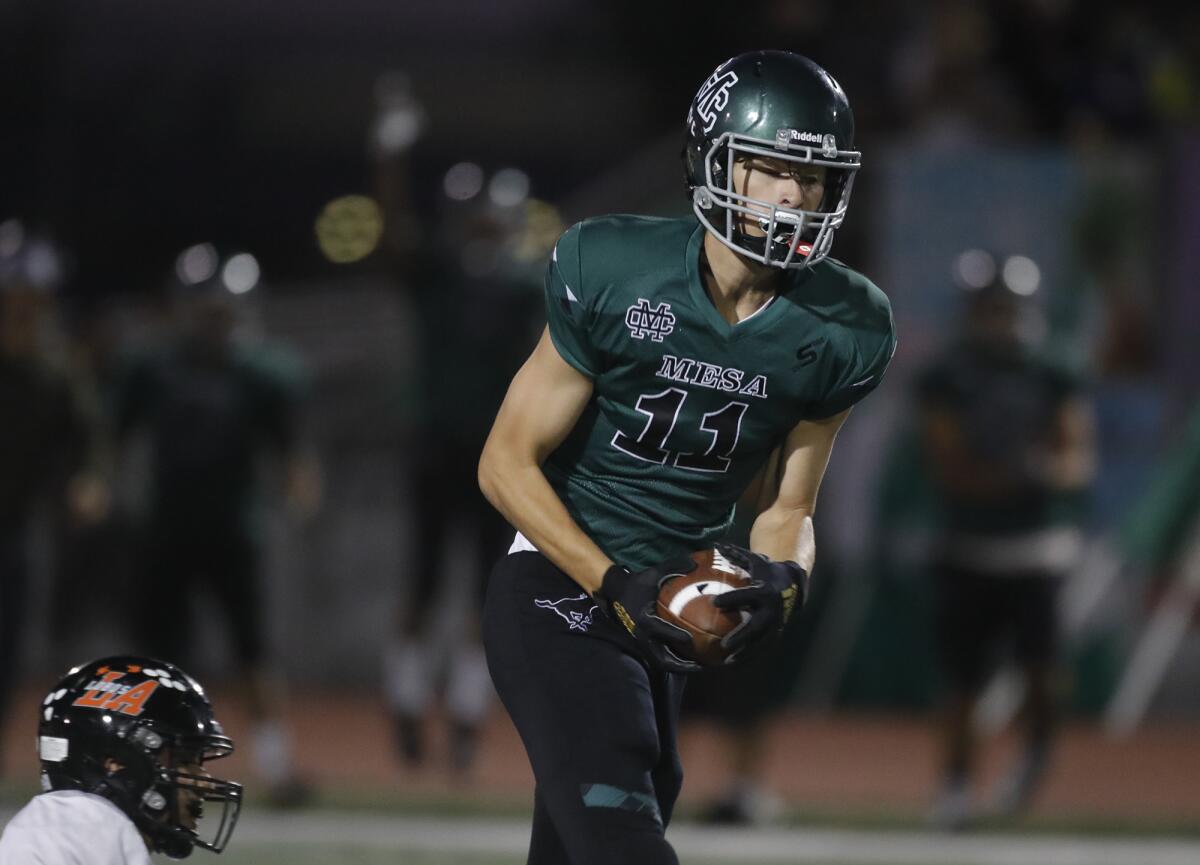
[121, 728]
[1002, 309]
[778, 105]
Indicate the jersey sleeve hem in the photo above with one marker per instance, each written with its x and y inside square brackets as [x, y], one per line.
[568, 356]
[848, 395]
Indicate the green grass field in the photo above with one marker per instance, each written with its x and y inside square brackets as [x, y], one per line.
[285, 854]
[334, 837]
[356, 828]
[294, 854]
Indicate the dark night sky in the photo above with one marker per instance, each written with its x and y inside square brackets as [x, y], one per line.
[136, 129]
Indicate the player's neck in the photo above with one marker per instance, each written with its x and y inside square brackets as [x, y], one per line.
[737, 286]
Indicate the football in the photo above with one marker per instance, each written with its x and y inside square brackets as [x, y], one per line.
[686, 601]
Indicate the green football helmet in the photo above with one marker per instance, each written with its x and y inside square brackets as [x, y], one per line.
[777, 105]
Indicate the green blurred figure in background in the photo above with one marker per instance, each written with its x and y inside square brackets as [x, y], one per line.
[471, 279]
[213, 403]
[48, 438]
[1008, 438]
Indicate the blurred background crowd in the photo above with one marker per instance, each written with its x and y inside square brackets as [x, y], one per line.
[266, 270]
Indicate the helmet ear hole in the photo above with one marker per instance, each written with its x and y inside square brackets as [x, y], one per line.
[154, 800]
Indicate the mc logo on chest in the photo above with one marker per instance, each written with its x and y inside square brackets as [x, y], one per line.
[724, 378]
[657, 321]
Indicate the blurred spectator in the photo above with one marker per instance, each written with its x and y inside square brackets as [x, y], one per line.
[473, 279]
[743, 704]
[954, 93]
[968, 72]
[474, 300]
[47, 439]
[94, 555]
[744, 701]
[1009, 442]
[212, 402]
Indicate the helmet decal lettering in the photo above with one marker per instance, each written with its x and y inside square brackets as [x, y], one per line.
[99, 690]
[105, 694]
[713, 97]
[132, 701]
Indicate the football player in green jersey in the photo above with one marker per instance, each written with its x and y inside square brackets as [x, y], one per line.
[679, 355]
[1008, 437]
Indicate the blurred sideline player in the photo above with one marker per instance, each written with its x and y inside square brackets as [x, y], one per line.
[48, 440]
[1009, 438]
[472, 282]
[740, 701]
[123, 744]
[94, 556]
[678, 355]
[213, 402]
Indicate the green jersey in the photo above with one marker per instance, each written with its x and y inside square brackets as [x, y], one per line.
[1002, 405]
[208, 423]
[686, 407]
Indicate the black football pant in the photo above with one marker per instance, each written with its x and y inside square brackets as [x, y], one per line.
[177, 565]
[599, 727]
[444, 489]
[979, 614]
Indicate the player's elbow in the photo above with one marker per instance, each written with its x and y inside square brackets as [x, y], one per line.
[493, 472]
[505, 465]
[487, 475]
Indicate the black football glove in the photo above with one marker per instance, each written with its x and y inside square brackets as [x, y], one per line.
[631, 598]
[776, 590]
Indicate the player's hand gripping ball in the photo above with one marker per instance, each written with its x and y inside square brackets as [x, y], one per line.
[687, 602]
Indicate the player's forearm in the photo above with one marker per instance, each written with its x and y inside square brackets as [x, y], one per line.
[785, 534]
[958, 471]
[1072, 472]
[1070, 461]
[519, 490]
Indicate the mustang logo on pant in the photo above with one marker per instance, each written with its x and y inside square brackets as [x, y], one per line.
[578, 619]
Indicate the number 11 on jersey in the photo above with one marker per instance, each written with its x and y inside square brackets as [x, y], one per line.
[662, 411]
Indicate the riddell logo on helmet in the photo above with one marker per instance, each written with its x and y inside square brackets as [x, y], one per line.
[104, 693]
[828, 142]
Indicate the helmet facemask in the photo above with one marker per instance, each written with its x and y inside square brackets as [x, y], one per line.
[792, 238]
[172, 810]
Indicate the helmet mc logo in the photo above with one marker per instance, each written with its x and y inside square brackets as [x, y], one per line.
[712, 98]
